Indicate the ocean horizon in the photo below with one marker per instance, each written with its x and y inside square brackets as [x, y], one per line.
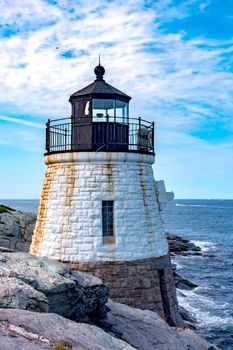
[208, 223]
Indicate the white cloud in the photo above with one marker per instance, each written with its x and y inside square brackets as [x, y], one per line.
[141, 59]
[28, 13]
[21, 121]
[204, 5]
[19, 136]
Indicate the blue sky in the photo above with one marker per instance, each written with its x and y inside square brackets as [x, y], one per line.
[174, 57]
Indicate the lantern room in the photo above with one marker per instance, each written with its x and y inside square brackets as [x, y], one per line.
[100, 122]
[100, 102]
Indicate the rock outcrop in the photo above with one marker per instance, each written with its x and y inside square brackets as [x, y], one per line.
[40, 284]
[16, 229]
[145, 330]
[125, 328]
[26, 330]
[183, 283]
[181, 246]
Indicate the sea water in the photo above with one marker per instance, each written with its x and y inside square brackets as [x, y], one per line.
[30, 205]
[209, 224]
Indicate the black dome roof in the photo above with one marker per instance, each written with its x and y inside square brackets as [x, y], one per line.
[100, 89]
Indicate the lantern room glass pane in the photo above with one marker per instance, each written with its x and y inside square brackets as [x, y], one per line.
[103, 108]
[122, 111]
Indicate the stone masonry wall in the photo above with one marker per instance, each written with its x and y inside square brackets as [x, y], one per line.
[69, 223]
[144, 284]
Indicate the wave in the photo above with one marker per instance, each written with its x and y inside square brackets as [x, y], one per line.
[205, 245]
[203, 206]
[191, 205]
[208, 312]
[178, 264]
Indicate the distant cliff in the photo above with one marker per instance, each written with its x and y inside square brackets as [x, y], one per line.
[162, 195]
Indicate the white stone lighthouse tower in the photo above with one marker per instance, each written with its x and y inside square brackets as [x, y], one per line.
[98, 209]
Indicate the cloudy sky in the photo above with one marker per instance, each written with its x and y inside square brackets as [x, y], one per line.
[173, 57]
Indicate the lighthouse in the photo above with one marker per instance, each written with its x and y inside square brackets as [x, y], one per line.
[99, 212]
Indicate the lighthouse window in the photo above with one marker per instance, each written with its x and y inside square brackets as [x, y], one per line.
[107, 218]
[122, 111]
[103, 110]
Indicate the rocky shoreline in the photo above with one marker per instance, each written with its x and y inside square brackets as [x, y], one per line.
[45, 305]
[181, 246]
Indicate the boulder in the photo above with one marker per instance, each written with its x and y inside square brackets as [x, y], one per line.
[16, 229]
[144, 329]
[16, 294]
[183, 283]
[181, 246]
[190, 320]
[26, 330]
[28, 282]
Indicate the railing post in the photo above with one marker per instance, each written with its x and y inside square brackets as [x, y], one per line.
[65, 137]
[139, 132]
[139, 121]
[70, 128]
[107, 136]
[47, 138]
[153, 136]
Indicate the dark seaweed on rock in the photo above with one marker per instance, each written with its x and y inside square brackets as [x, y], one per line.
[5, 209]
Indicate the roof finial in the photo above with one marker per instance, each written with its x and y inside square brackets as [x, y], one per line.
[99, 71]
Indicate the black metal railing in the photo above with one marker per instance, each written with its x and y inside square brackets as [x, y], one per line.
[112, 134]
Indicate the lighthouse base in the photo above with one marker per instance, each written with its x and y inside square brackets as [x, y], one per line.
[144, 284]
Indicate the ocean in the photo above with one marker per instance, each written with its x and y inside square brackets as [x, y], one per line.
[209, 224]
